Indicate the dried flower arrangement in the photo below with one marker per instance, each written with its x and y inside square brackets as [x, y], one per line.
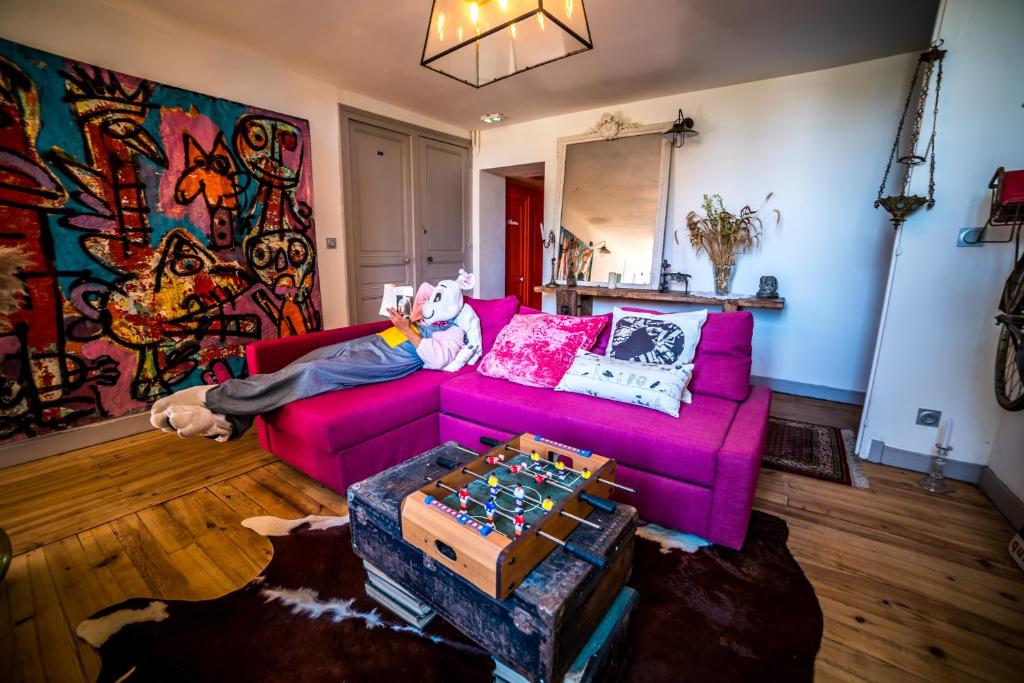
[721, 235]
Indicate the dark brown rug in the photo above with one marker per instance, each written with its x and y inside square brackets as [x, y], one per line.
[712, 614]
[812, 450]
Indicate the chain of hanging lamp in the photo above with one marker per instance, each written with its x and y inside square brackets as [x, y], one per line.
[902, 205]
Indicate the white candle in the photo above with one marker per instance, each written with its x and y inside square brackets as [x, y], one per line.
[948, 433]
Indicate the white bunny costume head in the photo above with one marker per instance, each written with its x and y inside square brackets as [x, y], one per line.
[443, 302]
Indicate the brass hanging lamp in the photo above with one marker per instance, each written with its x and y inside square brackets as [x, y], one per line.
[899, 206]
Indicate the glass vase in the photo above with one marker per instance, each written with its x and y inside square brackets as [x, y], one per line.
[723, 277]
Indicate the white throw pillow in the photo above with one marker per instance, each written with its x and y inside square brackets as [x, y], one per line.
[659, 387]
[657, 338]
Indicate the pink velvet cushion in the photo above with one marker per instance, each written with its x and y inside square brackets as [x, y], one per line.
[601, 345]
[494, 315]
[721, 366]
[536, 350]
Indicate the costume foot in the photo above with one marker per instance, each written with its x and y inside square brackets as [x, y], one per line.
[198, 421]
[193, 396]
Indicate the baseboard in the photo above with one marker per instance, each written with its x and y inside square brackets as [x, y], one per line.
[919, 462]
[46, 445]
[1004, 500]
[785, 386]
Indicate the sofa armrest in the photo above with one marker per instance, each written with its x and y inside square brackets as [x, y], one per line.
[270, 355]
[737, 468]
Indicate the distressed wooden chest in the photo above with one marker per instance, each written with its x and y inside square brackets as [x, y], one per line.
[545, 622]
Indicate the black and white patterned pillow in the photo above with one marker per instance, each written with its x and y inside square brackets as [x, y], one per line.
[661, 339]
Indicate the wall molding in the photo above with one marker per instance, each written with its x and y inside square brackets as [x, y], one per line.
[785, 386]
[55, 443]
[1004, 500]
[919, 462]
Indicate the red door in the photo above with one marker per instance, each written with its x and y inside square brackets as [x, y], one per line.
[524, 251]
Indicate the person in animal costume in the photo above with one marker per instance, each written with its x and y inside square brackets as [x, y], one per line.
[441, 334]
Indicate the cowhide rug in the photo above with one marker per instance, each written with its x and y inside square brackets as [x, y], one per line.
[705, 613]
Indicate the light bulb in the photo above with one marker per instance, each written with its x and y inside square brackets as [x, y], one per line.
[440, 26]
[503, 4]
[474, 12]
[568, 8]
[459, 33]
[512, 30]
[540, 20]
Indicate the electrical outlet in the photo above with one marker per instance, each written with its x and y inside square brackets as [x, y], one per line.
[968, 237]
[332, 242]
[926, 417]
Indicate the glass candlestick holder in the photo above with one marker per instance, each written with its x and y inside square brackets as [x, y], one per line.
[935, 482]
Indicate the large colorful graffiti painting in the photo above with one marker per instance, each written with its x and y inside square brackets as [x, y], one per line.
[163, 230]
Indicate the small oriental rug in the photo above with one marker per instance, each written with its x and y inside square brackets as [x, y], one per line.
[705, 613]
[813, 450]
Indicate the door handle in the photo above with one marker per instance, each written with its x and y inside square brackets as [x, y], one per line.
[520, 279]
[405, 260]
[430, 259]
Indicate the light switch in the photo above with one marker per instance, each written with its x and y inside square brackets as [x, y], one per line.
[332, 242]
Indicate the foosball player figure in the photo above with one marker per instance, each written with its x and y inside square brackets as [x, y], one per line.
[540, 478]
[560, 466]
[547, 504]
[489, 508]
[463, 498]
[517, 523]
[585, 473]
[520, 493]
[492, 482]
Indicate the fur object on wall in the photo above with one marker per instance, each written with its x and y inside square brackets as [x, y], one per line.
[11, 261]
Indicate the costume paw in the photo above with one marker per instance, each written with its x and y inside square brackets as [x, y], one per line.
[159, 413]
[459, 362]
[198, 421]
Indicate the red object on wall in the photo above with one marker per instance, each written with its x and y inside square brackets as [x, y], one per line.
[524, 251]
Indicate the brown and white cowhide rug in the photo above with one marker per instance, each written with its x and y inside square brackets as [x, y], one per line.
[705, 613]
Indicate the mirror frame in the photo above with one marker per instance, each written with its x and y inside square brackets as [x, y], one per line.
[612, 127]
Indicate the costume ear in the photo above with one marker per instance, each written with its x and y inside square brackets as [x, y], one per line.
[465, 280]
[422, 294]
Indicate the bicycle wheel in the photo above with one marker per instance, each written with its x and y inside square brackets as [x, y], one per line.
[1009, 383]
[1009, 368]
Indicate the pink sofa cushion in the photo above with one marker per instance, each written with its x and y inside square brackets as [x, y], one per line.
[536, 350]
[721, 366]
[600, 344]
[494, 314]
[339, 419]
[683, 448]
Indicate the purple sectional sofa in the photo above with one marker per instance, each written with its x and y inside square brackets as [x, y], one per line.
[697, 473]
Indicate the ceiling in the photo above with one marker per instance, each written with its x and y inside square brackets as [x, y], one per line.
[642, 48]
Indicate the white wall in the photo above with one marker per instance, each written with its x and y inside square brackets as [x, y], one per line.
[1007, 458]
[937, 343]
[818, 141]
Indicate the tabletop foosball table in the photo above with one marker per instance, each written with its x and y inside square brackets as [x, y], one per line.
[518, 548]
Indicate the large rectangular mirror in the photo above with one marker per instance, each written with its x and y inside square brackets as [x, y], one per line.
[611, 203]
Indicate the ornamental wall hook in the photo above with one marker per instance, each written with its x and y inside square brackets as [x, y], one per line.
[900, 206]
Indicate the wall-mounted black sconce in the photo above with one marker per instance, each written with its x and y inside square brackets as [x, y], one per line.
[680, 130]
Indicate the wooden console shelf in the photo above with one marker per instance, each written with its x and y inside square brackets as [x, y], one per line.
[580, 300]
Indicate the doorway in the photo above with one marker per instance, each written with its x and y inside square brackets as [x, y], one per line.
[524, 250]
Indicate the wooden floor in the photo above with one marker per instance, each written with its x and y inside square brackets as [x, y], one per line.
[913, 587]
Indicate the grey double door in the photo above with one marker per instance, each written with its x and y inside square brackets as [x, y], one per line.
[407, 209]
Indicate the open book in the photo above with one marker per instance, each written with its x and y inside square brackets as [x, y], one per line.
[399, 297]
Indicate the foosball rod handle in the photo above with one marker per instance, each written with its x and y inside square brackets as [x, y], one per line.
[446, 463]
[489, 441]
[599, 503]
[582, 553]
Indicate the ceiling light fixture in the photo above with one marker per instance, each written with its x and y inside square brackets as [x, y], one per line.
[494, 117]
[479, 42]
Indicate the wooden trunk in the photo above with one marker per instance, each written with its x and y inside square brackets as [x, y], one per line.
[541, 626]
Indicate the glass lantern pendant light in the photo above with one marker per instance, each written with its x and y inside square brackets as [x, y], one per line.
[482, 41]
[904, 148]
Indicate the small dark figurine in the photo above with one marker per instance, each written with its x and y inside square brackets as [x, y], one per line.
[667, 277]
[769, 288]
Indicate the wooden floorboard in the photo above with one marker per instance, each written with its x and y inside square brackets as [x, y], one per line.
[913, 586]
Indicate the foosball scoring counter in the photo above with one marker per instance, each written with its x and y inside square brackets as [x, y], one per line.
[519, 548]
